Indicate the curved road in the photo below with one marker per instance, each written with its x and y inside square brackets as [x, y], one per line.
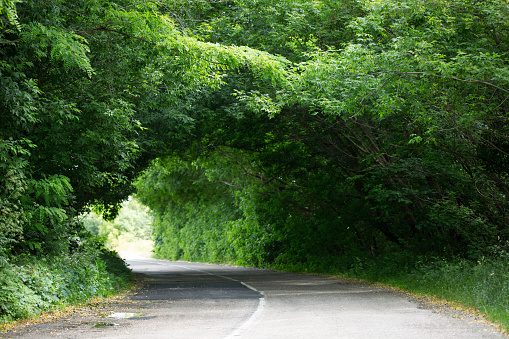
[192, 300]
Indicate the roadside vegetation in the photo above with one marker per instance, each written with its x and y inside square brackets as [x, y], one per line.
[30, 285]
[481, 285]
[384, 157]
[364, 137]
[89, 96]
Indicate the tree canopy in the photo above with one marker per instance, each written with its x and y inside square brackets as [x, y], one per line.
[265, 131]
[90, 94]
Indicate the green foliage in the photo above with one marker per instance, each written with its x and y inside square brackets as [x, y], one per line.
[288, 28]
[291, 133]
[65, 48]
[82, 101]
[29, 285]
[389, 132]
[13, 186]
[191, 213]
[8, 8]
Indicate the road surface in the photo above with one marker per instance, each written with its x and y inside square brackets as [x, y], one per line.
[192, 300]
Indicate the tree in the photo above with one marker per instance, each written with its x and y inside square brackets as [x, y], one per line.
[391, 136]
[84, 86]
[327, 127]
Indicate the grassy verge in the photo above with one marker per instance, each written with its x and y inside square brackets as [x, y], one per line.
[30, 285]
[482, 284]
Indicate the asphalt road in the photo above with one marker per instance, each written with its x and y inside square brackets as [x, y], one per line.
[192, 300]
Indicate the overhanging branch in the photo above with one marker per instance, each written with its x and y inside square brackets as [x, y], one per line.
[432, 75]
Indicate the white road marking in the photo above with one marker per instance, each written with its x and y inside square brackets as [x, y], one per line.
[253, 319]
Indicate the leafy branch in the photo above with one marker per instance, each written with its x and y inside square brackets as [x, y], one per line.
[430, 75]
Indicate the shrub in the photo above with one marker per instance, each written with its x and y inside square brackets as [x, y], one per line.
[29, 284]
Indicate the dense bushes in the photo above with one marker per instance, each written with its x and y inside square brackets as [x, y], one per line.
[30, 284]
[193, 215]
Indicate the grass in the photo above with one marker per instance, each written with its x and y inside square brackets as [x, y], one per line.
[482, 285]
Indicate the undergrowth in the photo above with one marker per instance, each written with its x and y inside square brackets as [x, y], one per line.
[31, 284]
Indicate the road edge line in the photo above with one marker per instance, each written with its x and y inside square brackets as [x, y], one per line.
[254, 318]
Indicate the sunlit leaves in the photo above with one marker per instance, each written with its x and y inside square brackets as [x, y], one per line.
[8, 7]
[400, 113]
[59, 45]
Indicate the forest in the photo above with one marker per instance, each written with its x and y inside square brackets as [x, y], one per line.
[319, 135]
